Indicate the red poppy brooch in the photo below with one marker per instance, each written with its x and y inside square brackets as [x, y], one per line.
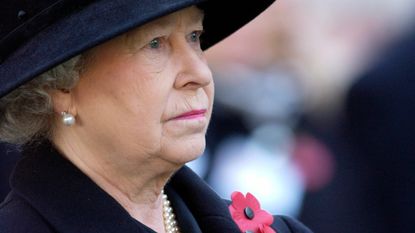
[248, 215]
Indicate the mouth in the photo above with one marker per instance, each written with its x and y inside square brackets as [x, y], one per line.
[194, 114]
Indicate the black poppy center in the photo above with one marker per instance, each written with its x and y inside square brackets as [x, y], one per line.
[249, 213]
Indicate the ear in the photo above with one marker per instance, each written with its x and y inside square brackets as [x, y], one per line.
[62, 101]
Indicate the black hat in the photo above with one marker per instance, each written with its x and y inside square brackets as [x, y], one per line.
[36, 35]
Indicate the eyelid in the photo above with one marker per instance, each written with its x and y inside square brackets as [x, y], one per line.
[199, 34]
[161, 39]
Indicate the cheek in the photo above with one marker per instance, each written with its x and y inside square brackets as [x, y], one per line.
[120, 93]
[210, 92]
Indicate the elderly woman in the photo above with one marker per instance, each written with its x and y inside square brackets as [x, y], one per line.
[109, 99]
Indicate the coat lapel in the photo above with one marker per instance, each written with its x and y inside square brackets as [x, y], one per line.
[184, 217]
[68, 199]
[210, 211]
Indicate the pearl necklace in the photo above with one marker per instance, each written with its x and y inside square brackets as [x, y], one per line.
[170, 223]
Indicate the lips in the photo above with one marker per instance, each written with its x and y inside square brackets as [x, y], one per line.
[191, 115]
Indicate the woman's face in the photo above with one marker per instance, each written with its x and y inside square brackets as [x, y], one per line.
[149, 92]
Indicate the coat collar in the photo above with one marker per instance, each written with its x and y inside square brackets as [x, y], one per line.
[71, 202]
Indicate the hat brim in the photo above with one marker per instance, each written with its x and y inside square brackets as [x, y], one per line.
[105, 19]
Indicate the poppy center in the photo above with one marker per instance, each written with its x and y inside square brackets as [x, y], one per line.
[249, 213]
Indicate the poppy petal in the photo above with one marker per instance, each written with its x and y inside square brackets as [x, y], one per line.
[252, 202]
[238, 201]
[263, 217]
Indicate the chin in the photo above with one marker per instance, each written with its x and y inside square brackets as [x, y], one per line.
[187, 151]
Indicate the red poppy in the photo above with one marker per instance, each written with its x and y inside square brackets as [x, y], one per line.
[247, 213]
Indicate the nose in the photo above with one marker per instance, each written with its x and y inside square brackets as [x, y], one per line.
[193, 71]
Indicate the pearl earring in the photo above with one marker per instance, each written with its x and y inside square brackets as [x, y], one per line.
[68, 119]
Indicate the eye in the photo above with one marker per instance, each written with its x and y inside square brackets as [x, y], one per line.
[195, 36]
[155, 43]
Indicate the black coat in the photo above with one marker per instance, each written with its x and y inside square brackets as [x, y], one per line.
[8, 158]
[49, 194]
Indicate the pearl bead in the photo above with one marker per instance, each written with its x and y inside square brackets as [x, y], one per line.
[68, 119]
[170, 224]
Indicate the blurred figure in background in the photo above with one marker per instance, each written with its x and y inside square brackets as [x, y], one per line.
[360, 196]
[380, 115]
